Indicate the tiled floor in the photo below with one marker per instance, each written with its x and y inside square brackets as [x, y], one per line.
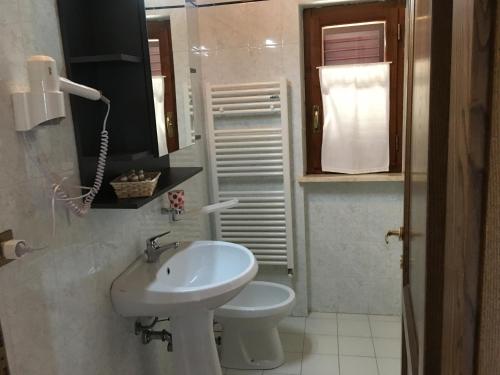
[338, 344]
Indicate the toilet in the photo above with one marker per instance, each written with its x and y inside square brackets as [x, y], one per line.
[250, 338]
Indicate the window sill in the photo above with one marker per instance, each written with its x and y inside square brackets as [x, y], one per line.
[371, 177]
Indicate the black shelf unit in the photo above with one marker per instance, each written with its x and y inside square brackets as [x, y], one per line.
[106, 47]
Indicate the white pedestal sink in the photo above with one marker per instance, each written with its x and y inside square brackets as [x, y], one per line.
[186, 285]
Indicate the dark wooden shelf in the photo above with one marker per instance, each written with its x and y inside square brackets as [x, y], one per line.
[116, 57]
[130, 157]
[122, 157]
[169, 179]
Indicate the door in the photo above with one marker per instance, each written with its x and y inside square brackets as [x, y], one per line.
[427, 108]
[162, 64]
[425, 193]
[446, 107]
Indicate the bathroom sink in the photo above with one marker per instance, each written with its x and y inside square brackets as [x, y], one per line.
[201, 274]
[186, 284]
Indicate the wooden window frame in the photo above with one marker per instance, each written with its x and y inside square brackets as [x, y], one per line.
[314, 21]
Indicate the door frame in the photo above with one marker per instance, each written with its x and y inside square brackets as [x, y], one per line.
[430, 347]
[162, 30]
[469, 138]
[489, 321]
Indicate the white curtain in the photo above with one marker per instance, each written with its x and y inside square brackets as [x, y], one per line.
[159, 102]
[356, 112]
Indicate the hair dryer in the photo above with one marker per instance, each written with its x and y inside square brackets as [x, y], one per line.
[44, 103]
[45, 100]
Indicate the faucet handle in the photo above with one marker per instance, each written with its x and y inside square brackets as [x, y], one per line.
[154, 240]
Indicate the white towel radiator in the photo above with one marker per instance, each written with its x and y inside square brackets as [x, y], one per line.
[248, 133]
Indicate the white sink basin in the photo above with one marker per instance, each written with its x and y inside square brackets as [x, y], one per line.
[186, 285]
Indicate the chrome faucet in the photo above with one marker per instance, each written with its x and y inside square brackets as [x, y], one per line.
[154, 249]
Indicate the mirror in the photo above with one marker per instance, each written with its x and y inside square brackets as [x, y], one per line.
[169, 51]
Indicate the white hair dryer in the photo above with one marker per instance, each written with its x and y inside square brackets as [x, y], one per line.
[45, 100]
[44, 103]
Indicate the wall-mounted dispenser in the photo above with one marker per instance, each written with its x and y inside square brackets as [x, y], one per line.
[44, 102]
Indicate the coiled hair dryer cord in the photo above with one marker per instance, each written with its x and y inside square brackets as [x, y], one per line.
[80, 209]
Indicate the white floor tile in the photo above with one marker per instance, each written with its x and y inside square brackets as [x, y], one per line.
[387, 348]
[388, 330]
[358, 366]
[362, 317]
[320, 344]
[243, 372]
[385, 318]
[292, 342]
[354, 328]
[292, 365]
[292, 325]
[320, 315]
[356, 346]
[389, 366]
[321, 326]
[314, 364]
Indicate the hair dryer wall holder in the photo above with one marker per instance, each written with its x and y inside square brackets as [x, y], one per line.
[44, 103]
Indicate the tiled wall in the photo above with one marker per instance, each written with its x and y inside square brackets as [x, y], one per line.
[351, 268]
[342, 261]
[54, 306]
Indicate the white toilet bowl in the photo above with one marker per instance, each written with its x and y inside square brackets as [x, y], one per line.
[250, 340]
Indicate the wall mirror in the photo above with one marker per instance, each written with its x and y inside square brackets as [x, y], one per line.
[173, 73]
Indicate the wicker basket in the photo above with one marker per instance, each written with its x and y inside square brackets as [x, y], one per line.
[136, 189]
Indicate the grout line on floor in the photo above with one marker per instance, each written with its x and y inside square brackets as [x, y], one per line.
[373, 344]
[338, 342]
[303, 346]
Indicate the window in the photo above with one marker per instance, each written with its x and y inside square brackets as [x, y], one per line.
[352, 34]
[155, 57]
[354, 44]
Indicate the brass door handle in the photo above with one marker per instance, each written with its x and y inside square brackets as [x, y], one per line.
[315, 118]
[170, 124]
[395, 232]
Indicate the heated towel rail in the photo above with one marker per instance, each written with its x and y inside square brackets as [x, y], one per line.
[248, 133]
